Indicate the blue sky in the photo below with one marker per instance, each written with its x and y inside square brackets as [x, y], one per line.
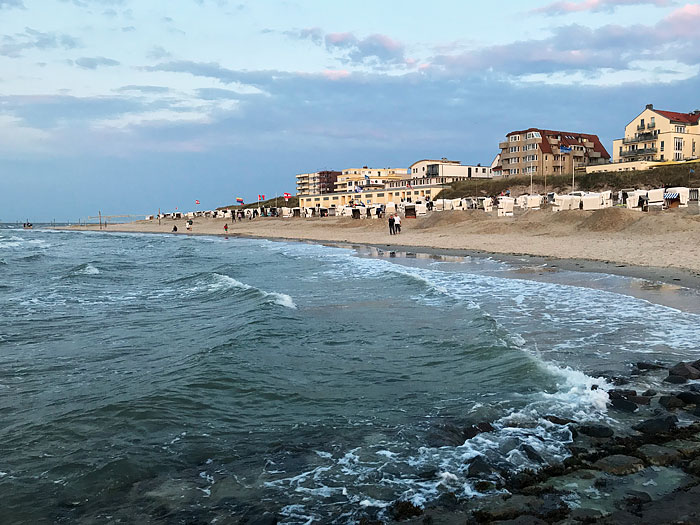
[128, 106]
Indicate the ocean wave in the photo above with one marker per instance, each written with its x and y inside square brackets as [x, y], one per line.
[83, 269]
[218, 284]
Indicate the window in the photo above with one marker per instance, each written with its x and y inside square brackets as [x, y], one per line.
[380, 195]
[317, 199]
[680, 129]
[662, 145]
[514, 138]
[678, 144]
[514, 149]
[533, 135]
[326, 198]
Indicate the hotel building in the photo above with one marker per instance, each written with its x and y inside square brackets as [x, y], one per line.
[658, 136]
[369, 186]
[318, 182]
[541, 151]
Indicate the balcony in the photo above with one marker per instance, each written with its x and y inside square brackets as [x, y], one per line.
[651, 125]
[504, 145]
[638, 152]
[640, 127]
[639, 137]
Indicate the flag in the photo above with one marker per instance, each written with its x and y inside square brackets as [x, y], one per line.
[366, 177]
[239, 200]
[287, 195]
[408, 185]
[196, 202]
[263, 198]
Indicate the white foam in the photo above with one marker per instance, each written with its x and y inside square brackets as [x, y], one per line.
[225, 282]
[89, 269]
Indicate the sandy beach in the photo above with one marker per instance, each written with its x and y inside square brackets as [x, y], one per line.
[657, 244]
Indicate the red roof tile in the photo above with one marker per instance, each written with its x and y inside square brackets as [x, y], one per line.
[688, 118]
[546, 147]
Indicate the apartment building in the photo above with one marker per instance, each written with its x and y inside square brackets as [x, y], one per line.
[318, 182]
[448, 168]
[656, 135]
[367, 178]
[541, 151]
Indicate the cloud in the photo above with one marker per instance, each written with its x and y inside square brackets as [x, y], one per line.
[565, 7]
[143, 89]
[15, 45]
[10, 4]
[95, 62]
[158, 53]
[579, 48]
[376, 51]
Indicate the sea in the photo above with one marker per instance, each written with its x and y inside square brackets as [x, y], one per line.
[194, 379]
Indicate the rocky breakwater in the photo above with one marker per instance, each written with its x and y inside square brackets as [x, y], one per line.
[644, 469]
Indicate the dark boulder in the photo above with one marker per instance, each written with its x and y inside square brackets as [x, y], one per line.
[624, 405]
[619, 464]
[649, 393]
[266, 518]
[643, 365]
[621, 394]
[657, 425]
[640, 400]
[684, 370]
[670, 402]
[558, 420]
[596, 431]
[689, 398]
[477, 429]
[675, 380]
[402, 510]
[531, 453]
[479, 468]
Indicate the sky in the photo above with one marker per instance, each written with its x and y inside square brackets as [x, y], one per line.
[127, 107]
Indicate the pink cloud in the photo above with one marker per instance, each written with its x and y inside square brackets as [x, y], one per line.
[340, 38]
[683, 21]
[336, 74]
[564, 7]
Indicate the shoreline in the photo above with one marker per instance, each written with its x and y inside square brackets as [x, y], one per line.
[675, 276]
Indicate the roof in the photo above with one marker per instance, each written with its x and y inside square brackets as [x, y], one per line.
[441, 161]
[546, 147]
[688, 118]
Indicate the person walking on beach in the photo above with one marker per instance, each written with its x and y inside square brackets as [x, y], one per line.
[226, 228]
[391, 225]
[397, 224]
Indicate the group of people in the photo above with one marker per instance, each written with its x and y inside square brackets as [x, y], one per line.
[394, 224]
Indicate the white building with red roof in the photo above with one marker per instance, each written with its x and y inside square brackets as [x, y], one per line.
[659, 136]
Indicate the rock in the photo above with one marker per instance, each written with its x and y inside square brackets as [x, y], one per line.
[686, 448]
[696, 412]
[484, 486]
[637, 497]
[640, 400]
[650, 393]
[675, 380]
[619, 465]
[621, 394]
[657, 425]
[509, 509]
[531, 453]
[670, 402]
[694, 388]
[585, 515]
[558, 420]
[266, 519]
[597, 431]
[479, 468]
[522, 520]
[624, 405]
[689, 398]
[402, 509]
[642, 365]
[694, 467]
[474, 430]
[696, 364]
[685, 370]
[658, 455]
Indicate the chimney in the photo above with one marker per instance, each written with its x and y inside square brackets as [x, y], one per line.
[650, 106]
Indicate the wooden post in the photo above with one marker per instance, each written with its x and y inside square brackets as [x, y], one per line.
[158, 216]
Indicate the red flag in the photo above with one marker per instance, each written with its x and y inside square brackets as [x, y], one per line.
[196, 202]
[263, 197]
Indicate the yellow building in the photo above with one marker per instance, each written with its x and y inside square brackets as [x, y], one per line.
[657, 136]
[367, 178]
[542, 152]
